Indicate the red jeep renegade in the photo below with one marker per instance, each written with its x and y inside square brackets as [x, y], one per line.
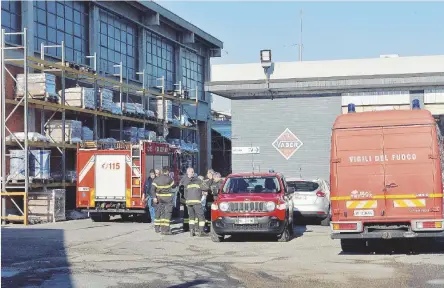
[253, 203]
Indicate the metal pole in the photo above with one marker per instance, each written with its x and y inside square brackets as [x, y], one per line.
[300, 40]
[3, 128]
[196, 135]
[63, 116]
[25, 108]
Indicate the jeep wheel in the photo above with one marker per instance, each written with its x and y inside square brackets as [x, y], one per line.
[286, 234]
[216, 237]
[353, 246]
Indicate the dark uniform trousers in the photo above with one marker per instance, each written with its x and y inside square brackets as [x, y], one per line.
[163, 211]
[196, 216]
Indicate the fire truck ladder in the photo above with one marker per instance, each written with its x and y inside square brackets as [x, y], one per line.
[136, 188]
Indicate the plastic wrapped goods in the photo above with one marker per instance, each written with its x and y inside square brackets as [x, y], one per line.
[150, 135]
[150, 114]
[39, 85]
[184, 120]
[168, 110]
[116, 109]
[32, 136]
[106, 99]
[141, 133]
[87, 134]
[80, 97]
[39, 164]
[73, 131]
[139, 109]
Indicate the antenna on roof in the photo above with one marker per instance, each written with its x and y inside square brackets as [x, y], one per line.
[300, 39]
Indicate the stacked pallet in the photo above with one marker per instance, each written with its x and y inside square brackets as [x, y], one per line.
[139, 110]
[73, 131]
[87, 134]
[116, 109]
[40, 86]
[106, 100]
[168, 110]
[80, 97]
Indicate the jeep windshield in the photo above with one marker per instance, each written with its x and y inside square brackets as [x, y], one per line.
[255, 184]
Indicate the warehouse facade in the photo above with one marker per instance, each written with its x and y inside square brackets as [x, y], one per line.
[142, 35]
[287, 122]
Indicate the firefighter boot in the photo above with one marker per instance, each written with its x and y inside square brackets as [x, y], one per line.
[157, 229]
[166, 230]
[192, 233]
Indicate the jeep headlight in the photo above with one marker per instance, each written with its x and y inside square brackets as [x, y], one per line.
[270, 206]
[224, 206]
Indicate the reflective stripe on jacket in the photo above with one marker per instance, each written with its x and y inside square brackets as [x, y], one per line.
[161, 186]
[193, 190]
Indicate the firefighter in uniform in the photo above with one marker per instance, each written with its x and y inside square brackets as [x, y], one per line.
[193, 196]
[186, 218]
[163, 197]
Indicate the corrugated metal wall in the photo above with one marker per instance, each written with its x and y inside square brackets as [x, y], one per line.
[261, 122]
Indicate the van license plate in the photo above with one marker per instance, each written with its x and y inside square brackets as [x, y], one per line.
[364, 213]
[246, 221]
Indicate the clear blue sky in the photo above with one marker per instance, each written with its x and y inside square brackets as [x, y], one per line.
[332, 30]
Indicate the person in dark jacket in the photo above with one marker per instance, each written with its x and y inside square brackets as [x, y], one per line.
[193, 195]
[146, 196]
[163, 197]
[215, 187]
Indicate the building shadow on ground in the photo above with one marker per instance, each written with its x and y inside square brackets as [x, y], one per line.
[402, 247]
[34, 257]
[189, 284]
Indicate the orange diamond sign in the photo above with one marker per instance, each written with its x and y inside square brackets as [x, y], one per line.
[287, 144]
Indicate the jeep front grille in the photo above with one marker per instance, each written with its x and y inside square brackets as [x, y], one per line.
[247, 207]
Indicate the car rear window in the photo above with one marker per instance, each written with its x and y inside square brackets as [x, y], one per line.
[252, 184]
[303, 185]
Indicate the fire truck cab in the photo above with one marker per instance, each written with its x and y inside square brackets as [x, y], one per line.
[111, 177]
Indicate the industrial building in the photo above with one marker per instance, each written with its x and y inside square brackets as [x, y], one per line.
[283, 121]
[153, 63]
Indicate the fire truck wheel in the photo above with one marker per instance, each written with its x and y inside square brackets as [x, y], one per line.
[100, 217]
[353, 245]
[216, 237]
[125, 217]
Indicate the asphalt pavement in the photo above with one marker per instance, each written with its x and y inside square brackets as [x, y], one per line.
[116, 254]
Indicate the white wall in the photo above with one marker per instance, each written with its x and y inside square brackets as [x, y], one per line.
[332, 68]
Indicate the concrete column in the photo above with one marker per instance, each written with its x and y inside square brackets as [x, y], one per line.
[207, 77]
[27, 8]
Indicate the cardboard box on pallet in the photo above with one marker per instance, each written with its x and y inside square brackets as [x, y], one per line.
[73, 131]
[40, 85]
[79, 97]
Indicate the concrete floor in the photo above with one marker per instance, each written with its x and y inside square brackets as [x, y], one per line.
[116, 254]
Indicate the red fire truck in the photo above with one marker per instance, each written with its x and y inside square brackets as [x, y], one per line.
[111, 177]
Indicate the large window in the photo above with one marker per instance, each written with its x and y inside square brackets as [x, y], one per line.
[57, 21]
[118, 42]
[193, 73]
[11, 20]
[160, 60]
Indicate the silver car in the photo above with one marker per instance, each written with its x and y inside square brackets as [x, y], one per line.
[311, 199]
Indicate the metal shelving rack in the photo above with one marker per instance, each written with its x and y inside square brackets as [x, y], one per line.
[62, 71]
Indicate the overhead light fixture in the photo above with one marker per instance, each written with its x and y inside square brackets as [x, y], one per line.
[266, 58]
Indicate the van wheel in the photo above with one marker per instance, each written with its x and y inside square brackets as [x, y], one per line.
[353, 246]
[286, 235]
[216, 237]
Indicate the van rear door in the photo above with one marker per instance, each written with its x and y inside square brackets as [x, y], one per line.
[359, 174]
[411, 172]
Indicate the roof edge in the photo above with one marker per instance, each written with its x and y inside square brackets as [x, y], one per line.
[182, 22]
